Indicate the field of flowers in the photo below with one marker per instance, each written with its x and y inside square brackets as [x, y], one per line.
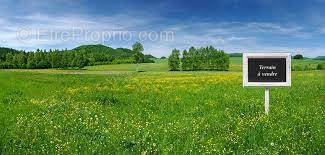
[164, 112]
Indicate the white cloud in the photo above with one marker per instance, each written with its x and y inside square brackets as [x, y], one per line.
[230, 36]
[235, 37]
[322, 30]
[37, 22]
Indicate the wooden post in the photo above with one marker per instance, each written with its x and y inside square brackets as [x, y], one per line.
[267, 100]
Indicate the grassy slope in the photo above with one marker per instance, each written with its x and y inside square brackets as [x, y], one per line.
[160, 66]
[152, 67]
[46, 111]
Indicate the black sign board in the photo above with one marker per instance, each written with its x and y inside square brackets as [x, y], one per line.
[267, 70]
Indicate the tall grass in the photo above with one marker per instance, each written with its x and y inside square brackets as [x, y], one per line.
[189, 112]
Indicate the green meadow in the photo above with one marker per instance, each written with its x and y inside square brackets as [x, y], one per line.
[235, 66]
[111, 109]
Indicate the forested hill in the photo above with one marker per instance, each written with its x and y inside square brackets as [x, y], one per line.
[320, 58]
[119, 52]
[85, 55]
[5, 51]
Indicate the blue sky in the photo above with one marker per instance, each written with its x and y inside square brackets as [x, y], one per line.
[296, 26]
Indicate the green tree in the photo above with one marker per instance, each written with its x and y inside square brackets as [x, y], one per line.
[320, 66]
[65, 60]
[192, 56]
[31, 63]
[21, 60]
[207, 58]
[196, 59]
[9, 57]
[186, 61]
[298, 56]
[174, 61]
[138, 56]
[78, 57]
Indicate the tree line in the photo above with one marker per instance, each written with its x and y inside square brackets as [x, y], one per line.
[87, 55]
[194, 59]
[42, 59]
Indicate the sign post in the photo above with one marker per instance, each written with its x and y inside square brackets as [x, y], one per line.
[267, 70]
[267, 101]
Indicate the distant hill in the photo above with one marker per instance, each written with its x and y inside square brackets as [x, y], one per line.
[116, 53]
[236, 54]
[149, 56]
[119, 55]
[85, 55]
[4, 51]
[94, 48]
[320, 58]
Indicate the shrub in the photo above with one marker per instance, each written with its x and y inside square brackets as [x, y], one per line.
[298, 56]
[320, 66]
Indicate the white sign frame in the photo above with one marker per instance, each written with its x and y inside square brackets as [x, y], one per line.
[246, 56]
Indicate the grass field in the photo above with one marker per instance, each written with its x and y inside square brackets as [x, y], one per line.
[112, 109]
[162, 66]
